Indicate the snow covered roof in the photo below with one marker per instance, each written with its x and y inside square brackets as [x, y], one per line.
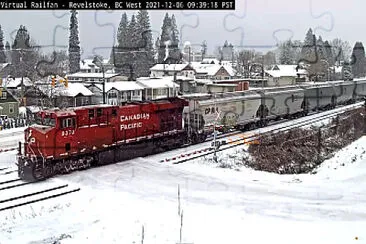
[73, 90]
[3, 65]
[92, 75]
[11, 82]
[162, 82]
[168, 67]
[212, 69]
[210, 61]
[123, 86]
[88, 63]
[285, 70]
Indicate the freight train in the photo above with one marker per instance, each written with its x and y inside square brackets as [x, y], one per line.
[62, 141]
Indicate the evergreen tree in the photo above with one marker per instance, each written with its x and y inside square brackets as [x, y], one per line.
[358, 60]
[122, 31]
[328, 53]
[175, 53]
[164, 37]
[203, 49]
[286, 55]
[2, 47]
[308, 51]
[120, 52]
[133, 34]
[74, 44]
[145, 58]
[24, 56]
[8, 52]
[157, 48]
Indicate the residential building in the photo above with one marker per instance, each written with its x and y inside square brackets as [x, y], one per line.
[87, 66]
[281, 75]
[76, 94]
[123, 91]
[9, 105]
[158, 88]
[160, 70]
[81, 77]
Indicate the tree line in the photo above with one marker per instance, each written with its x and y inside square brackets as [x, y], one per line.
[318, 56]
[135, 52]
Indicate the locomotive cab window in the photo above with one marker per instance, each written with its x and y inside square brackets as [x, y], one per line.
[99, 112]
[114, 112]
[68, 123]
[91, 113]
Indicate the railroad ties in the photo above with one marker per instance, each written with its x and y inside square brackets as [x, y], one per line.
[15, 192]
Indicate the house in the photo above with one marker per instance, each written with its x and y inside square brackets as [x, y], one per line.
[97, 90]
[282, 75]
[87, 66]
[160, 70]
[21, 88]
[123, 91]
[158, 88]
[214, 71]
[9, 105]
[94, 77]
[76, 94]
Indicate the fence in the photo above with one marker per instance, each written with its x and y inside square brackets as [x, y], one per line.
[13, 123]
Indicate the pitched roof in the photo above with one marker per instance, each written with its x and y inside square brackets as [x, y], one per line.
[123, 86]
[285, 70]
[92, 75]
[168, 67]
[161, 82]
[14, 82]
[73, 90]
[88, 63]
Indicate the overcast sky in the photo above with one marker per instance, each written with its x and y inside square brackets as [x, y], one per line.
[254, 23]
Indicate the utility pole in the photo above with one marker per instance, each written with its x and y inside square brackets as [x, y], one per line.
[100, 64]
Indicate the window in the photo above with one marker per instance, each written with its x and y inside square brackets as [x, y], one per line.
[114, 112]
[11, 108]
[99, 112]
[3, 96]
[91, 113]
[292, 98]
[68, 122]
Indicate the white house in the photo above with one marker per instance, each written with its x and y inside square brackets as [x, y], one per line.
[94, 77]
[281, 75]
[158, 88]
[87, 66]
[160, 70]
[123, 91]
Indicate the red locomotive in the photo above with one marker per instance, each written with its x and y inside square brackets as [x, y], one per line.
[77, 138]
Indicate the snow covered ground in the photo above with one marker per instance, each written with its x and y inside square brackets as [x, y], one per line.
[219, 205]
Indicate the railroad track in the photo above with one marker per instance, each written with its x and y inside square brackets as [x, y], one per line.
[8, 172]
[15, 192]
[249, 136]
[38, 196]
